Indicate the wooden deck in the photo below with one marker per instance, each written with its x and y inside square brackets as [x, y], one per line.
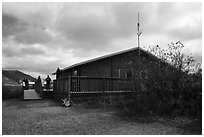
[31, 94]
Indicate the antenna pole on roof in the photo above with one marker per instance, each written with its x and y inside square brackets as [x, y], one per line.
[138, 31]
[138, 45]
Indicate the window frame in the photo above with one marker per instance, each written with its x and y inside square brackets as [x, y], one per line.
[126, 70]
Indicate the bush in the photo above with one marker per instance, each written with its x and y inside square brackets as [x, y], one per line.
[11, 92]
[184, 100]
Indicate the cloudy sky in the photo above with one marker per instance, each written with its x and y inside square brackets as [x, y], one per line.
[39, 37]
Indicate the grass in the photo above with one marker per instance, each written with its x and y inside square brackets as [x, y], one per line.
[46, 117]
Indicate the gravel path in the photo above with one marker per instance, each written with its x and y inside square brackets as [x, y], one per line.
[44, 117]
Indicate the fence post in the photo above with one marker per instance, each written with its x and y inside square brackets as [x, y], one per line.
[58, 90]
[103, 94]
[69, 88]
[54, 88]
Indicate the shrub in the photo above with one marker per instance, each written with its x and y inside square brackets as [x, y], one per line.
[11, 92]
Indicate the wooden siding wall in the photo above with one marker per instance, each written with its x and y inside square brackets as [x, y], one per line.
[122, 61]
[65, 87]
[100, 68]
[108, 67]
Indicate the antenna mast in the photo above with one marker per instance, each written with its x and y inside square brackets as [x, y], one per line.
[138, 31]
[138, 45]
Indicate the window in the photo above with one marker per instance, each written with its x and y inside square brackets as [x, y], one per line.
[125, 73]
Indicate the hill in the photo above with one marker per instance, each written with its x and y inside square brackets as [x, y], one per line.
[11, 87]
[7, 81]
[14, 76]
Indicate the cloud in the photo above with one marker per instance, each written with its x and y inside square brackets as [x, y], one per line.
[33, 35]
[92, 25]
[23, 32]
[86, 25]
[11, 25]
[61, 34]
[192, 47]
[11, 48]
[187, 33]
[35, 14]
[30, 64]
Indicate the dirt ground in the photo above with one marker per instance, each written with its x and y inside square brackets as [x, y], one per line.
[46, 117]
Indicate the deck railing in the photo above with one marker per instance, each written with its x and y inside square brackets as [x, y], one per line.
[83, 84]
